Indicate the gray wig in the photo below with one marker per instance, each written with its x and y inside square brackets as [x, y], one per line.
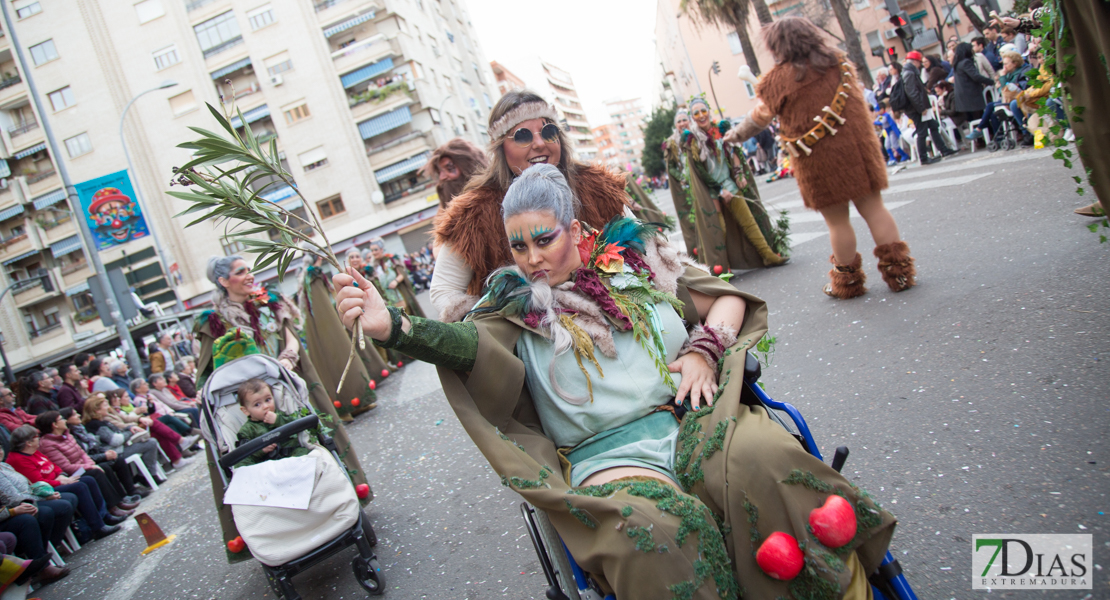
[677, 135]
[220, 266]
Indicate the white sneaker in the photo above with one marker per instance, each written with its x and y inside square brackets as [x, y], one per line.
[182, 462]
[188, 441]
[1069, 135]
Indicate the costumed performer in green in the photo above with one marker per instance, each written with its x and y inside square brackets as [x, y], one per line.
[321, 330]
[734, 231]
[675, 160]
[393, 279]
[570, 376]
[249, 320]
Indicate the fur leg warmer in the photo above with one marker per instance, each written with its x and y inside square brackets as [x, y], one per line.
[846, 281]
[896, 265]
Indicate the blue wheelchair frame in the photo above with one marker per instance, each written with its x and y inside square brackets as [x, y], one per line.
[888, 582]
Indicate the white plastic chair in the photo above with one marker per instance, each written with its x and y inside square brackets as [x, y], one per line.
[71, 542]
[136, 462]
[54, 556]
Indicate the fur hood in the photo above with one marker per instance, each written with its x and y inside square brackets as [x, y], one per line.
[471, 224]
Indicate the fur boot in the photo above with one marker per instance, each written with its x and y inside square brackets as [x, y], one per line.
[846, 281]
[896, 265]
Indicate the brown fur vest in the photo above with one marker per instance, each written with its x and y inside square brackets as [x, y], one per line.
[472, 223]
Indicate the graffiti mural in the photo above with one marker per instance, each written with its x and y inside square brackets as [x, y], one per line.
[108, 203]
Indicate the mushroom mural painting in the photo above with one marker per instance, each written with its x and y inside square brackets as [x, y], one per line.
[108, 203]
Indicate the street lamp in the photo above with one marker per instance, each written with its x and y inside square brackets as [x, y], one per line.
[163, 256]
[715, 69]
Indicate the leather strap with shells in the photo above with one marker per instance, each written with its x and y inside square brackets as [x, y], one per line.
[805, 144]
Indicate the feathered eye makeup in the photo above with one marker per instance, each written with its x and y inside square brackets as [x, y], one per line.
[541, 236]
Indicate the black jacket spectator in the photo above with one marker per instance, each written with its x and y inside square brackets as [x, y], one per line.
[969, 82]
[915, 89]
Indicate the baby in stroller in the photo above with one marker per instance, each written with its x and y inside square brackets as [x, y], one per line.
[295, 505]
[256, 400]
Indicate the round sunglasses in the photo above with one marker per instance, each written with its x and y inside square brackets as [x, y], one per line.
[549, 133]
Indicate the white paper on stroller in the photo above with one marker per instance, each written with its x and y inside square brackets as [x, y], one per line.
[285, 483]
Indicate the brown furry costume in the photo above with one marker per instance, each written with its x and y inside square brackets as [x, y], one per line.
[471, 225]
[843, 167]
[469, 160]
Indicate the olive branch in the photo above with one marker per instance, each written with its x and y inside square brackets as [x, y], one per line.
[220, 177]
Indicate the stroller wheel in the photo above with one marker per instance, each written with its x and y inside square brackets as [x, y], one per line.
[369, 575]
[281, 586]
[1010, 143]
[993, 146]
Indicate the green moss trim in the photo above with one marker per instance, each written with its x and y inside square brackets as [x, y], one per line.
[808, 585]
[626, 512]
[508, 439]
[644, 540]
[753, 520]
[581, 515]
[520, 483]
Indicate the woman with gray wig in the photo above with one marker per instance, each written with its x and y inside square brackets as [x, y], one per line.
[580, 382]
[253, 320]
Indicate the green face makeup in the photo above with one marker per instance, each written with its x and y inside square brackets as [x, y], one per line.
[538, 231]
[516, 236]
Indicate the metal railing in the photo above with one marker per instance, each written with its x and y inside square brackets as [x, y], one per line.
[37, 177]
[48, 225]
[214, 50]
[34, 333]
[394, 142]
[22, 129]
[9, 82]
[412, 190]
[195, 4]
[326, 4]
[4, 242]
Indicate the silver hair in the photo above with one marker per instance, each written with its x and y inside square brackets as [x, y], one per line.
[677, 135]
[702, 141]
[352, 251]
[184, 362]
[883, 71]
[541, 188]
[136, 384]
[114, 364]
[220, 266]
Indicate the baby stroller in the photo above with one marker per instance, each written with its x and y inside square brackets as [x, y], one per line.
[1007, 135]
[288, 541]
[567, 581]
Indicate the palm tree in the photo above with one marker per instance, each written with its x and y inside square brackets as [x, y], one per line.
[734, 14]
[842, 8]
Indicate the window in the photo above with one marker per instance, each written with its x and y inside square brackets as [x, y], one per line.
[300, 224]
[165, 57]
[734, 43]
[148, 10]
[217, 32]
[50, 317]
[313, 159]
[44, 52]
[278, 63]
[261, 17]
[62, 99]
[447, 82]
[232, 247]
[78, 145]
[24, 9]
[331, 207]
[462, 123]
[183, 103]
[485, 96]
[296, 114]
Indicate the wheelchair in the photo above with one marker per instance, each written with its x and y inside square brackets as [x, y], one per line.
[567, 581]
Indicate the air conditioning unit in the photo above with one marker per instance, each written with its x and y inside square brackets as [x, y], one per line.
[890, 34]
[276, 80]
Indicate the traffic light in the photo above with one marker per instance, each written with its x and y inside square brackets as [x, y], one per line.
[901, 22]
[892, 54]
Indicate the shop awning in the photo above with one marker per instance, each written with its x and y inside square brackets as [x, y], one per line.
[233, 67]
[398, 169]
[349, 23]
[30, 151]
[368, 72]
[281, 193]
[70, 244]
[48, 199]
[252, 115]
[8, 213]
[27, 254]
[383, 123]
[77, 289]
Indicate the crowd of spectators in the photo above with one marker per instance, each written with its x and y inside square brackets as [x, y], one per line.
[962, 96]
[420, 265]
[66, 435]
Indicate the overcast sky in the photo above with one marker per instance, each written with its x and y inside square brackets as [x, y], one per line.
[607, 46]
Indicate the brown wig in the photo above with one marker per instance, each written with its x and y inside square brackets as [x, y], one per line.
[469, 160]
[796, 40]
[498, 175]
[250, 386]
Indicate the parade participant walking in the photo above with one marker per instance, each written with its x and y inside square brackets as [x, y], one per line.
[523, 130]
[675, 159]
[393, 279]
[582, 340]
[924, 120]
[734, 231]
[250, 320]
[837, 161]
[321, 328]
[452, 165]
[376, 359]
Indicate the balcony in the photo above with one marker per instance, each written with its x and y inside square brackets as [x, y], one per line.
[8, 82]
[43, 181]
[387, 153]
[34, 291]
[196, 4]
[47, 332]
[369, 50]
[15, 245]
[56, 229]
[213, 51]
[22, 129]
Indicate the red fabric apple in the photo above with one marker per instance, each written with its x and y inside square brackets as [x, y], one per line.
[400, 364]
[373, 385]
[362, 490]
[717, 269]
[834, 523]
[355, 402]
[237, 545]
[385, 373]
[338, 404]
[779, 556]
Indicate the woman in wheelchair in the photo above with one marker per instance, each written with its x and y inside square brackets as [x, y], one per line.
[573, 376]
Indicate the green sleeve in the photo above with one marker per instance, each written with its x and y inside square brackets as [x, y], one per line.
[284, 418]
[450, 345]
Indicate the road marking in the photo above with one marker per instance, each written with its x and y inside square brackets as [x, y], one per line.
[125, 588]
[973, 163]
[894, 189]
[813, 217]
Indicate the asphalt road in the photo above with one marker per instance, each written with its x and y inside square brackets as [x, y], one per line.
[973, 403]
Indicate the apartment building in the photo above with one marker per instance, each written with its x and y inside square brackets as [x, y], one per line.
[506, 80]
[627, 119]
[608, 151]
[356, 94]
[560, 89]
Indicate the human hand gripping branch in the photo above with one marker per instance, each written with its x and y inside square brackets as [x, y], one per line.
[358, 300]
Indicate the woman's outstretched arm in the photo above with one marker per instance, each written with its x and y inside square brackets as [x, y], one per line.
[450, 345]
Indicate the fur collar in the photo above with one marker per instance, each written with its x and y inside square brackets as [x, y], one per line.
[472, 223]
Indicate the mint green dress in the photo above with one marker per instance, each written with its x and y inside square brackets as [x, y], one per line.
[630, 390]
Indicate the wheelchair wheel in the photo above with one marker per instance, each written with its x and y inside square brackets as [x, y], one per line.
[369, 575]
[558, 555]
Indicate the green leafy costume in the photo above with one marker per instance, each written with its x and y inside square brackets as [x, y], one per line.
[742, 475]
[680, 194]
[288, 449]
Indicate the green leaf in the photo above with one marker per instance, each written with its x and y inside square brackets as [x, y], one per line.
[1093, 227]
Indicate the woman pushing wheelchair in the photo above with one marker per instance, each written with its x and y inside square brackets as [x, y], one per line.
[600, 376]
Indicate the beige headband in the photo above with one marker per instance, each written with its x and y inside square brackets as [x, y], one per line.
[520, 114]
